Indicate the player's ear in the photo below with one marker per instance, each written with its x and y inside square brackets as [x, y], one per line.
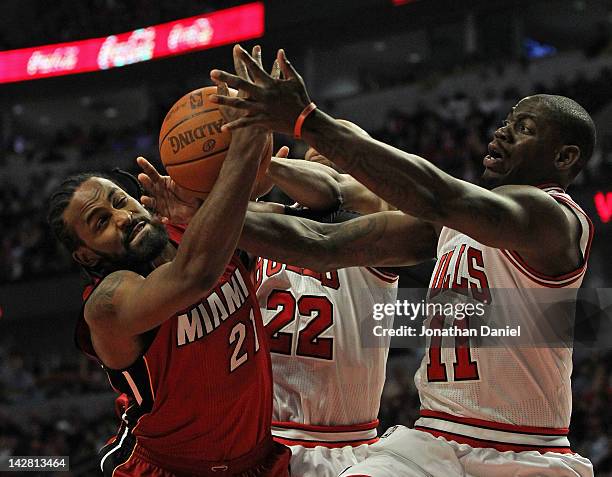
[86, 257]
[568, 156]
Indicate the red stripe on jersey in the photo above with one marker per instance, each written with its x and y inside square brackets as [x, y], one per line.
[578, 209]
[557, 278]
[551, 185]
[500, 446]
[366, 426]
[329, 445]
[385, 277]
[520, 267]
[499, 426]
[567, 278]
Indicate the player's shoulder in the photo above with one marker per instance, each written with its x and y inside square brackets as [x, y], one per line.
[523, 191]
[529, 195]
[549, 208]
[535, 200]
[102, 302]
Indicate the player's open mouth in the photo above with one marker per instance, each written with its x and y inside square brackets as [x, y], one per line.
[136, 230]
[494, 158]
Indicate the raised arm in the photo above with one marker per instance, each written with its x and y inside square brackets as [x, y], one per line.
[518, 217]
[381, 239]
[510, 217]
[128, 304]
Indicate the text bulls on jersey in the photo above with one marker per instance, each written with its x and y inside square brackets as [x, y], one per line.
[270, 268]
[462, 270]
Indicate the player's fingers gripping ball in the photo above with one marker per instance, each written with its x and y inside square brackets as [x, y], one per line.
[193, 147]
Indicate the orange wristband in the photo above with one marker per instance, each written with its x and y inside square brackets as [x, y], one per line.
[297, 129]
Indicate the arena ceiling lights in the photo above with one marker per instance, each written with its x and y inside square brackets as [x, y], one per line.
[167, 39]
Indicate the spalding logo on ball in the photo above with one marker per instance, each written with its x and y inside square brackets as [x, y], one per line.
[191, 144]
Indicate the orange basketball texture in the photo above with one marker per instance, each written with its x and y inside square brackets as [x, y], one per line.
[191, 144]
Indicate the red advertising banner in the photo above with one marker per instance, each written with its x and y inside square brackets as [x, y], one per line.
[174, 38]
[603, 204]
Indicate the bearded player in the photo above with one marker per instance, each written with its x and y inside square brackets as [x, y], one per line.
[173, 318]
[484, 411]
[327, 387]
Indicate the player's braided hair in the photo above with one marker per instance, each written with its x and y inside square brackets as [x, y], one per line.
[61, 197]
[58, 202]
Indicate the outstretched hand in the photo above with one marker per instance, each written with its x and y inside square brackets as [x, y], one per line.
[273, 103]
[170, 201]
[231, 114]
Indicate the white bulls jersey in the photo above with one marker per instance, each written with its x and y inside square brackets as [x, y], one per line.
[503, 396]
[327, 385]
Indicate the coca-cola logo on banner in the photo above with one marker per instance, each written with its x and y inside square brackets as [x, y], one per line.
[139, 46]
[60, 59]
[199, 33]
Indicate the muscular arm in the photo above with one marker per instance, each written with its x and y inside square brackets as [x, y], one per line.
[320, 187]
[125, 303]
[512, 217]
[521, 218]
[381, 239]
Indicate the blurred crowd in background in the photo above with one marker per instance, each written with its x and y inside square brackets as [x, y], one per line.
[452, 132]
[70, 21]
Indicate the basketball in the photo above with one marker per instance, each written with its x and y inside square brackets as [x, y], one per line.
[192, 145]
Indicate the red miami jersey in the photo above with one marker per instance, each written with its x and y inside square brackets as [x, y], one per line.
[203, 386]
[503, 396]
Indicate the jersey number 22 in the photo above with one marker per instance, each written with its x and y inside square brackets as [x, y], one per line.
[309, 341]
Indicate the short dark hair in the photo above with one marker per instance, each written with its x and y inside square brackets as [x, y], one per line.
[59, 200]
[576, 127]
